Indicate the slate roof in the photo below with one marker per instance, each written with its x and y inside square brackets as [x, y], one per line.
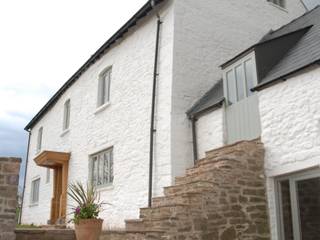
[303, 54]
[147, 7]
[301, 40]
[211, 100]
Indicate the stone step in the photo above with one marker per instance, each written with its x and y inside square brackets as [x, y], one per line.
[189, 199]
[159, 225]
[130, 235]
[164, 212]
[191, 187]
[135, 225]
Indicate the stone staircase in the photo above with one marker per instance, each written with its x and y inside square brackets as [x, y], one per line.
[223, 197]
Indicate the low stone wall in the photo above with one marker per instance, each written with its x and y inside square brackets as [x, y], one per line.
[45, 234]
[9, 178]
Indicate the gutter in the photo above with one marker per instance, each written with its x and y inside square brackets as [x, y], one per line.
[153, 108]
[25, 176]
[194, 140]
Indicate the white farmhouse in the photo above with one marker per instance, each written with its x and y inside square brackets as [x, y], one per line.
[124, 111]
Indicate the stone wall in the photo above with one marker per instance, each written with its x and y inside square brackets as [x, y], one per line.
[290, 120]
[45, 234]
[9, 178]
[222, 198]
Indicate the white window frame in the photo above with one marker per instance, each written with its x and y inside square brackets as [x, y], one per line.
[104, 87]
[251, 56]
[66, 115]
[293, 179]
[34, 201]
[39, 139]
[100, 157]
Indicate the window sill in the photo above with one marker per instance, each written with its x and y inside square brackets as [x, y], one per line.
[65, 132]
[104, 188]
[102, 108]
[279, 7]
[33, 204]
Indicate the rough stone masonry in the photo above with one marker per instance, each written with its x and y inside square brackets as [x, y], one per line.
[9, 178]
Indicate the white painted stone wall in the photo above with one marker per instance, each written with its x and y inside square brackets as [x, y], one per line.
[290, 118]
[208, 33]
[196, 37]
[209, 129]
[124, 124]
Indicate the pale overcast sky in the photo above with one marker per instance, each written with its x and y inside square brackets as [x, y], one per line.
[42, 44]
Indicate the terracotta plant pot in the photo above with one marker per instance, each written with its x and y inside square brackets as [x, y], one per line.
[88, 229]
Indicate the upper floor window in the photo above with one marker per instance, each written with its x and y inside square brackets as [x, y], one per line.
[104, 87]
[239, 79]
[39, 139]
[35, 186]
[101, 167]
[281, 3]
[66, 115]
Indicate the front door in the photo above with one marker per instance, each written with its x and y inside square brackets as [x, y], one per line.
[59, 162]
[57, 192]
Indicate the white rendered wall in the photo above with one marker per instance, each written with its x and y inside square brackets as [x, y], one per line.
[209, 129]
[208, 33]
[290, 118]
[124, 124]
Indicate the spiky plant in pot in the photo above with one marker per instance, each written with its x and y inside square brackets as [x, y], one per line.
[88, 226]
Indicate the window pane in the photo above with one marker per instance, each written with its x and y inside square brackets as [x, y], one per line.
[39, 142]
[102, 169]
[106, 86]
[232, 89]
[250, 81]
[286, 210]
[309, 208]
[35, 191]
[94, 171]
[240, 82]
[106, 168]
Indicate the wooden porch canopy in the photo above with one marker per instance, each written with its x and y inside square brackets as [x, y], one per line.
[50, 159]
[59, 161]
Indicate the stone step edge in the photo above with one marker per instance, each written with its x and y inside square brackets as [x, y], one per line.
[256, 141]
[123, 232]
[184, 194]
[165, 206]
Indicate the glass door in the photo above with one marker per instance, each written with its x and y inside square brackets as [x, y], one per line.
[299, 206]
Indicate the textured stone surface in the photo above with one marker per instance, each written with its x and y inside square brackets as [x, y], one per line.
[124, 124]
[222, 198]
[290, 118]
[9, 178]
[209, 132]
[44, 234]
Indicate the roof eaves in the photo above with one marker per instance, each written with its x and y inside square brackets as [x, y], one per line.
[142, 12]
[212, 107]
[284, 77]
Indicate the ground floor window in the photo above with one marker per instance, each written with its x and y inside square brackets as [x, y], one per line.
[101, 168]
[298, 205]
[35, 185]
